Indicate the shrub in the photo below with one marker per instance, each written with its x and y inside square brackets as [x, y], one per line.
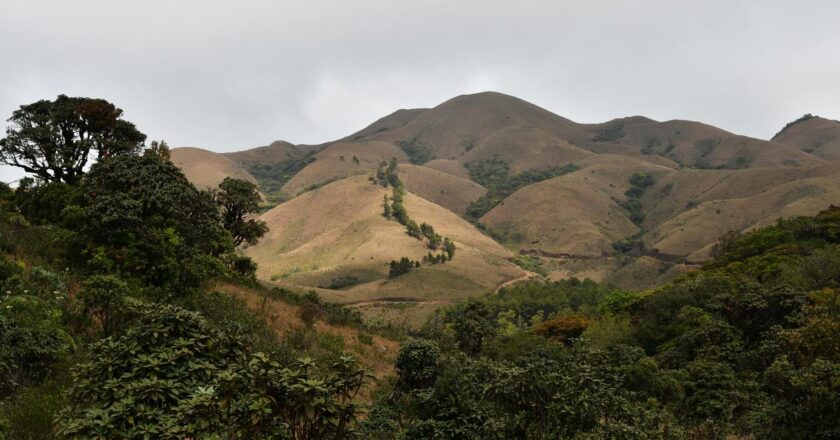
[417, 364]
[102, 296]
[562, 328]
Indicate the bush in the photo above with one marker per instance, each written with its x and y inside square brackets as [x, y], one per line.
[418, 152]
[562, 328]
[103, 296]
[179, 377]
[417, 364]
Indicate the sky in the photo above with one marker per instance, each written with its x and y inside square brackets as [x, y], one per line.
[230, 75]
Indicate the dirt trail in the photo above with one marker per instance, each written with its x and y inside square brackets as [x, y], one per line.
[528, 275]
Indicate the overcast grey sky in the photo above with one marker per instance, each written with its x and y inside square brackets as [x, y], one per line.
[226, 75]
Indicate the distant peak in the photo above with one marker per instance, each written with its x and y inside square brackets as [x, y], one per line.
[801, 119]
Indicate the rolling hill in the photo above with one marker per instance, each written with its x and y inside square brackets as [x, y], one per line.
[206, 169]
[522, 191]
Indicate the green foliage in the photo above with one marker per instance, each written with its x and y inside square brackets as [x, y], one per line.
[342, 282]
[158, 150]
[530, 263]
[143, 219]
[30, 413]
[611, 131]
[103, 297]
[243, 267]
[386, 176]
[272, 176]
[401, 267]
[417, 364]
[32, 340]
[639, 183]
[493, 174]
[386, 208]
[173, 374]
[562, 328]
[238, 199]
[418, 152]
[473, 326]
[55, 139]
[43, 203]
[556, 393]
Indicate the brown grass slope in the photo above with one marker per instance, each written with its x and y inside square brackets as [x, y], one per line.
[740, 205]
[393, 121]
[817, 136]
[206, 169]
[336, 162]
[452, 192]
[693, 144]
[465, 123]
[575, 215]
[277, 151]
[338, 230]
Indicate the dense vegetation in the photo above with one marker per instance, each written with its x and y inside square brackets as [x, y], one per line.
[747, 347]
[107, 326]
[272, 176]
[418, 152]
[494, 174]
[639, 183]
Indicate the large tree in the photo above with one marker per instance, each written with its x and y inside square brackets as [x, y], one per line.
[239, 199]
[141, 218]
[55, 140]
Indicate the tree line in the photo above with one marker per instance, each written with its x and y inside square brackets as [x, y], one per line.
[393, 209]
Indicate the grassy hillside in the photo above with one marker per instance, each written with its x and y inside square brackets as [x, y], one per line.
[590, 222]
[814, 135]
[339, 231]
[207, 169]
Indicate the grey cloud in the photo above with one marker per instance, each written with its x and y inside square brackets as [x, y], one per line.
[229, 75]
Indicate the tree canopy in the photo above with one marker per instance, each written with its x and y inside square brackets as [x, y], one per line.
[141, 217]
[238, 199]
[54, 140]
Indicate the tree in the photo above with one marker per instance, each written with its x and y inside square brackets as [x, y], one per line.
[473, 326]
[102, 296]
[54, 139]
[173, 374]
[142, 218]
[412, 229]
[449, 248]
[386, 207]
[401, 267]
[159, 150]
[239, 198]
[417, 364]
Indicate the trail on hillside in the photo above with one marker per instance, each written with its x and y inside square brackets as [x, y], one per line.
[528, 275]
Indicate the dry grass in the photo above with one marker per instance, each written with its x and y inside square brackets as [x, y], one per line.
[283, 318]
[339, 230]
[452, 192]
[336, 162]
[206, 169]
[819, 136]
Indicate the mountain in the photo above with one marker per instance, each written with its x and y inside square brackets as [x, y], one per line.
[523, 193]
[206, 169]
[814, 135]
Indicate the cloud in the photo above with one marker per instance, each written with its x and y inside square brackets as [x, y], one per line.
[231, 75]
